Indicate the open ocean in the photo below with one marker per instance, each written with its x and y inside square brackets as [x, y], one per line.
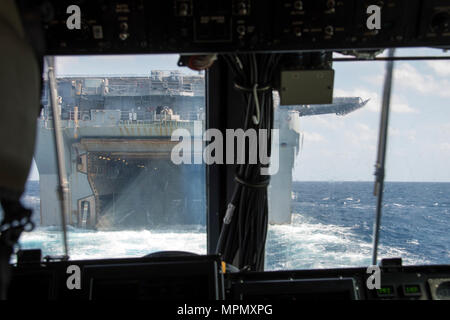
[331, 227]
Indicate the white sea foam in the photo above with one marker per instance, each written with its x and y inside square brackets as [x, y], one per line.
[305, 244]
[115, 244]
[309, 245]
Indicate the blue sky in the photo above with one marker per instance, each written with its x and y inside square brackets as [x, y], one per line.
[344, 148]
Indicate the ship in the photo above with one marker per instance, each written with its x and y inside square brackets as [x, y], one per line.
[117, 145]
[288, 122]
[117, 142]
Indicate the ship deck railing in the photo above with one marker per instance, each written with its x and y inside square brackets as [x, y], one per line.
[48, 124]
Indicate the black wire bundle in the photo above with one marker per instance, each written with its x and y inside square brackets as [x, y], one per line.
[243, 235]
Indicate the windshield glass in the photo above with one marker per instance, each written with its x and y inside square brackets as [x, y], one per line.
[126, 197]
[325, 220]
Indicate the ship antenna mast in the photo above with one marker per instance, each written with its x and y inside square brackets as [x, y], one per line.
[59, 143]
[381, 156]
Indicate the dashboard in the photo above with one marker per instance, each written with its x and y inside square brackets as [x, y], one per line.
[194, 278]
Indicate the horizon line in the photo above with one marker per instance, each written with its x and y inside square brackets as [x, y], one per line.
[372, 181]
[390, 181]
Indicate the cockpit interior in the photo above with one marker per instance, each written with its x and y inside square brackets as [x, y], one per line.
[231, 150]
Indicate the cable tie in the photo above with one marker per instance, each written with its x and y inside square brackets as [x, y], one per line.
[259, 184]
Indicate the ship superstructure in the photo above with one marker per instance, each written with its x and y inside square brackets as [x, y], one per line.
[117, 148]
[287, 121]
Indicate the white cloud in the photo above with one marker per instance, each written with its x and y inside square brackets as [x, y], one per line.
[409, 77]
[408, 134]
[444, 146]
[398, 107]
[360, 138]
[313, 137]
[440, 67]
[445, 129]
[363, 127]
[364, 132]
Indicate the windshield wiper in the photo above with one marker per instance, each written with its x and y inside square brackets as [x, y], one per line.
[63, 187]
[381, 156]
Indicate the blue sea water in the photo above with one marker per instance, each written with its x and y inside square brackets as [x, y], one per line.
[331, 227]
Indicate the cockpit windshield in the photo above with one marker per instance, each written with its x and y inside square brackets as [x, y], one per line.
[332, 200]
[128, 198]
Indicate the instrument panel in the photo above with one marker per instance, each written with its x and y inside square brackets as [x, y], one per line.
[402, 283]
[202, 26]
[200, 277]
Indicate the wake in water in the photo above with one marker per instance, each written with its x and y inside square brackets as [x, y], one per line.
[328, 230]
[308, 244]
[89, 244]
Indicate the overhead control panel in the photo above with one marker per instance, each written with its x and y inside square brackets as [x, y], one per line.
[201, 26]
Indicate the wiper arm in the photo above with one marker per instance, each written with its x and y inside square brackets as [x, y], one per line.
[63, 187]
[381, 157]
